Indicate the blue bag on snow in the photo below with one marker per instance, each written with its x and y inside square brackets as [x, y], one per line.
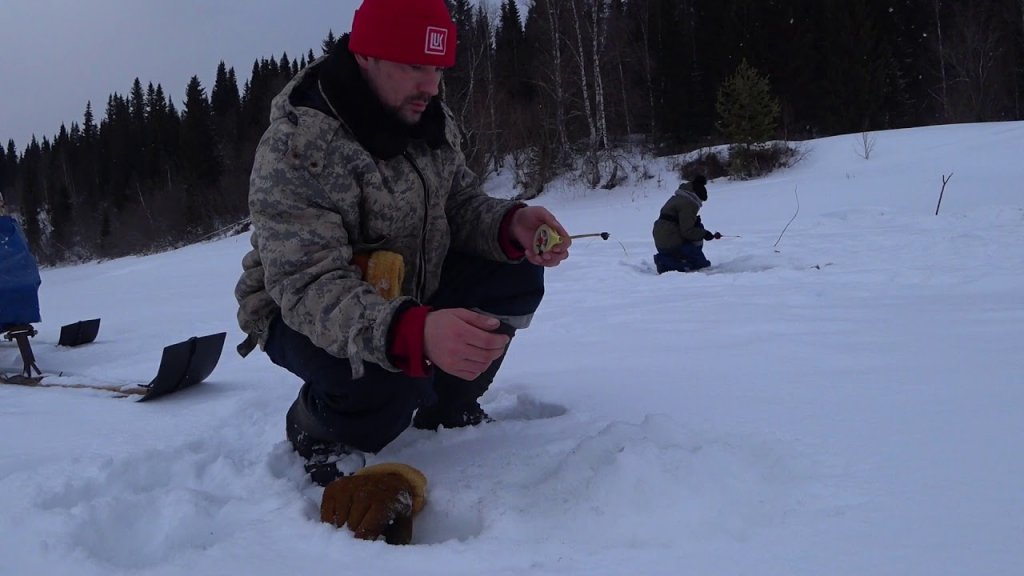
[19, 277]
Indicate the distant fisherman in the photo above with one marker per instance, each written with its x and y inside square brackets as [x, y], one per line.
[679, 234]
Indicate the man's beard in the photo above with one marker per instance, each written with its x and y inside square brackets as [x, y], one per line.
[397, 111]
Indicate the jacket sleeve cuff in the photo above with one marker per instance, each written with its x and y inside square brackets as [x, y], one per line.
[513, 250]
[405, 343]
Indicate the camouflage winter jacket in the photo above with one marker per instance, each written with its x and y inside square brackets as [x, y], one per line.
[677, 221]
[317, 196]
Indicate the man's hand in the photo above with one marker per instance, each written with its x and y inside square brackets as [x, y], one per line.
[461, 342]
[525, 223]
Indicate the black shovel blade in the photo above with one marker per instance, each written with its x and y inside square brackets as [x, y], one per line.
[81, 332]
[185, 364]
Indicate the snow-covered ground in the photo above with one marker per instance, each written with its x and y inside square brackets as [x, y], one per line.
[850, 401]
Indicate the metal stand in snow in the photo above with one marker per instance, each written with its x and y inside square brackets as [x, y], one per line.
[20, 334]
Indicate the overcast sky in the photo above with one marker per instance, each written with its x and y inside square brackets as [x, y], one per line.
[55, 55]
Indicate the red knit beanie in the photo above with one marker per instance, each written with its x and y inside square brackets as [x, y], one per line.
[417, 32]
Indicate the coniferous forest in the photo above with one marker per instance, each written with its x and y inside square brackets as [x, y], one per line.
[565, 87]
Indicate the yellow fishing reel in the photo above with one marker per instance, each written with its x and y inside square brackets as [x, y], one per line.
[545, 238]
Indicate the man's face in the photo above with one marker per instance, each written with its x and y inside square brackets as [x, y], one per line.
[405, 89]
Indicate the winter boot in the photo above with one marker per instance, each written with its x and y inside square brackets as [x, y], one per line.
[458, 400]
[325, 461]
[438, 415]
[662, 263]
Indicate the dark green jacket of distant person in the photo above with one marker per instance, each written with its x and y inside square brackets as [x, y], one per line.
[677, 222]
[337, 175]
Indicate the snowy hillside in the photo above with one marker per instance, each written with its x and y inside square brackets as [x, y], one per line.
[848, 402]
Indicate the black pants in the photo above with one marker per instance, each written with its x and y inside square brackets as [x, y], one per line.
[368, 413]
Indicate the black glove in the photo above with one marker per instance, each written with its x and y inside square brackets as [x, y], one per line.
[709, 236]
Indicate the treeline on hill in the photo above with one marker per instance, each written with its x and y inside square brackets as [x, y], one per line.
[562, 88]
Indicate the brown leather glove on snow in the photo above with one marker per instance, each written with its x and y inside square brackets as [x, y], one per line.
[379, 500]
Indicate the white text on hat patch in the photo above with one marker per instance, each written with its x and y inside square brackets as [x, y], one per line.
[437, 41]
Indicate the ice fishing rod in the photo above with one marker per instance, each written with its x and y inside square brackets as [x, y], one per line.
[545, 238]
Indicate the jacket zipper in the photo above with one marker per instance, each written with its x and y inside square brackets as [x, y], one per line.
[421, 273]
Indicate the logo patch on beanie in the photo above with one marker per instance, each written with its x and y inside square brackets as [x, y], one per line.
[437, 41]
